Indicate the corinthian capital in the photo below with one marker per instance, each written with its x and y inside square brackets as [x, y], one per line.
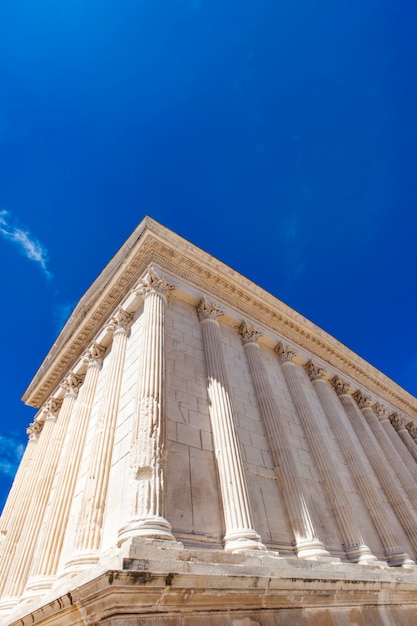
[340, 387]
[94, 354]
[152, 282]
[34, 429]
[248, 334]
[412, 429]
[208, 310]
[397, 421]
[121, 321]
[381, 412]
[314, 372]
[363, 401]
[71, 384]
[50, 409]
[284, 352]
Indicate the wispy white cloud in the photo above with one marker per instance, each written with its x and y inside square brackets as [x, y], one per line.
[11, 452]
[26, 242]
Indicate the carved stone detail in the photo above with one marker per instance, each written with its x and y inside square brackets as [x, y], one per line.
[397, 421]
[152, 282]
[248, 333]
[121, 321]
[314, 372]
[340, 387]
[412, 429]
[362, 400]
[208, 310]
[381, 412]
[284, 352]
[94, 354]
[71, 384]
[34, 429]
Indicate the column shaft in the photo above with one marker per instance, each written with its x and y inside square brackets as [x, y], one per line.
[394, 553]
[51, 539]
[147, 515]
[240, 534]
[52, 439]
[400, 506]
[353, 544]
[90, 521]
[306, 541]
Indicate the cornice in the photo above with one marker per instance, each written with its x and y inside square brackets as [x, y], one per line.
[153, 243]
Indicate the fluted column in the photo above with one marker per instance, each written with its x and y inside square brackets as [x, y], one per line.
[306, 540]
[353, 544]
[21, 484]
[377, 459]
[379, 424]
[240, 534]
[147, 516]
[51, 539]
[90, 522]
[52, 439]
[394, 553]
[399, 424]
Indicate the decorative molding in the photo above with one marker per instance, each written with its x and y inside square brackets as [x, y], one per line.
[285, 354]
[248, 333]
[208, 310]
[152, 243]
[314, 372]
[363, 401]
[341, 387]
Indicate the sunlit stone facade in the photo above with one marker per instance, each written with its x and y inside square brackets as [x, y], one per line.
[203, 454]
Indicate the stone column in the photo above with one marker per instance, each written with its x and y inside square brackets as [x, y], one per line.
[21, 485]
[240, 534]
[51, 539]
[306, 541]
[90, 522]
[399, 424]
[147, 517]
[376, 457]
[379, 425]
[412, 429]
[358, 470]
[352, 541]
[52, 439]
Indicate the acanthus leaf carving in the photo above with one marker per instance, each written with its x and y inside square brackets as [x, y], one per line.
[152, 282]
[363, 401]
[340, 386]
[71, 383]
[381, 412]
[248, 333]
[120, 321]
[94, 354]
[314, 371]
[208, 310]
[412, 429]
[285, 354]
[397, 421]
[34, 429]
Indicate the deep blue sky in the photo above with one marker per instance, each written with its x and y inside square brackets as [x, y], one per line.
[279, 136]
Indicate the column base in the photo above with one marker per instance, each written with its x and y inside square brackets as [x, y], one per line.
[360, 554]
[81, 561]
[242, 541]
[7, 605]
[37, 585]
[152, 527]
[400, 559]
[312, 549]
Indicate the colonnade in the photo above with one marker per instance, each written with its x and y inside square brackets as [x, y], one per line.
[32, 542]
